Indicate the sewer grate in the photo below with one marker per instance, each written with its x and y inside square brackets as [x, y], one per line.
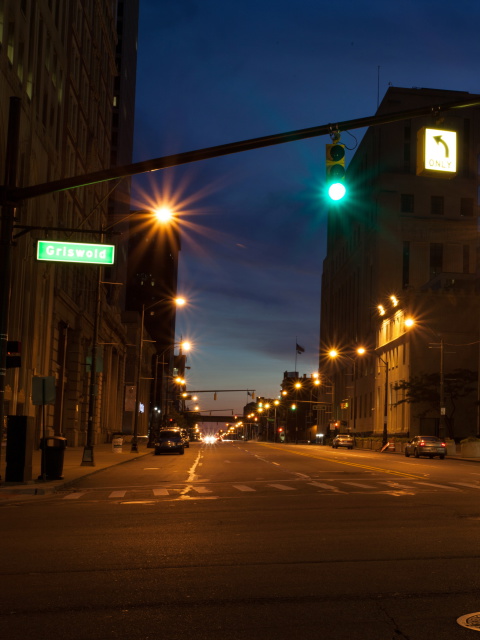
[470, 621]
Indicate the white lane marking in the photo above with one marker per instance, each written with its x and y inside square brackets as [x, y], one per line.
[326, 486]
[74, 496]
[277, 463]
[117, 494]
[467, 484]
[160, 492]
[283, 487]
[151, 468]
[358, 484]
[242, 487]
[439, 486]
[227, 461]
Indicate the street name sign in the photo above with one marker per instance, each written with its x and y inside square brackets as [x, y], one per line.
[79, 252]
[436, 153]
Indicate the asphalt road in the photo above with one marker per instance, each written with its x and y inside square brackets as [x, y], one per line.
[247, 540]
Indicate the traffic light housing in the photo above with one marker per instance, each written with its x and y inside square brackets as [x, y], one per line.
[335, 165]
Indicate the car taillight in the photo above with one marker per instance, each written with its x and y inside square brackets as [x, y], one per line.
[443, 444]
[422, 443]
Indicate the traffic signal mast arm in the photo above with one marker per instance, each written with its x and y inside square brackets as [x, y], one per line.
[14, 195]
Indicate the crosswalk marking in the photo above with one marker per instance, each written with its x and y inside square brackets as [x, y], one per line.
[243, 487]
[440, 486]
[467, 484]
[282, 487]
[117, 494]
[358, 484]
[160, 492]
[396, 485]
[326, 486]
[262, 488]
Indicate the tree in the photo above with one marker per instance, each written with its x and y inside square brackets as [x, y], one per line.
[425, 389]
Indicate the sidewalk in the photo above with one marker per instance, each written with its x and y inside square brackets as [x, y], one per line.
[103, 454]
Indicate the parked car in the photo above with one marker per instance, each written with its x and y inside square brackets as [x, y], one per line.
[343, 440]
[169, 440]
[426, 446]
[186, 438]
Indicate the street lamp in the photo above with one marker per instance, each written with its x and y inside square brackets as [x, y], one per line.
[275, 404]
[385, 404]
[178, 302]
[88, 455]
[186, 346]
[441, 422]
[360, 351]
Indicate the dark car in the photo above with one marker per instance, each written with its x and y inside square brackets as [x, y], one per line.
[343, 440]
[168, 441]
[426, 446]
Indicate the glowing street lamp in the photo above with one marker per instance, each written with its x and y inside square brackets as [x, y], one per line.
[163, 213]
[359, 351]
[134, 445]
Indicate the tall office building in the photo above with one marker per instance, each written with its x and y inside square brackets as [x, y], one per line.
[60, 58]
[404, 245]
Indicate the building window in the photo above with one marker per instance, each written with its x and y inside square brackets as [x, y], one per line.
[436, 259]
[437, 205]
[466, 207]
[406, 202]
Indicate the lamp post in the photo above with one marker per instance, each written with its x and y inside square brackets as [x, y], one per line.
[184, 344]
[178, 302]
[360, 351]
[275, 404]
[410, 322]
[385, 404]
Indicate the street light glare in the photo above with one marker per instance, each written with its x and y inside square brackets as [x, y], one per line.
[409, 322]
[180, 302]
[164, 214]
[333, 353]
[186, 345]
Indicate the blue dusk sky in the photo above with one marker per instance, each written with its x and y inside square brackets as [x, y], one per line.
[253, 223]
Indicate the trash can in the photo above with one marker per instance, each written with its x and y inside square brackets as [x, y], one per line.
[53, 451]
[117, 445]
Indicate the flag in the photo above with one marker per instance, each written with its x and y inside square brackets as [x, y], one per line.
[300, 349]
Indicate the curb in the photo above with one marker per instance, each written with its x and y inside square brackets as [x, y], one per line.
[39, 487]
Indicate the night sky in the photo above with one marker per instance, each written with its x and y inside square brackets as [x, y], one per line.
[253, 224]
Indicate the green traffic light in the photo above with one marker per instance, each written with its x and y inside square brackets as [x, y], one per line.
[336, 191]
[335, 166]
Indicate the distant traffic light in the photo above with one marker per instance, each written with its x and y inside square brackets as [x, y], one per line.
[14, 359]
[335, 165]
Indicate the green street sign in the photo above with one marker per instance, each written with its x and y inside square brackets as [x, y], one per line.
[83, 252]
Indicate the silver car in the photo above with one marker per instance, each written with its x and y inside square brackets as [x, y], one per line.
[343, 440]
[426, 446]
